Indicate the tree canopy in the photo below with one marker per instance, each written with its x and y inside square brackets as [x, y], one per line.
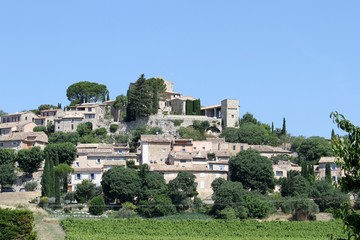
[182, 189]
[65, 152]
[312, 148]
[29, 160]
[85, 92]
[7, 156]
[7, 174]
[121, 183]
[252, 170]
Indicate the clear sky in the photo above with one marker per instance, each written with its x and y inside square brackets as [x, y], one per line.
[294, 59]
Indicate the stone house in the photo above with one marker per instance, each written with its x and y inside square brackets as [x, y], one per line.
[48, 116]
[336, 171]
[283, 167]
[270, 151]
[24, 140]
[155, 149]
[17, 122]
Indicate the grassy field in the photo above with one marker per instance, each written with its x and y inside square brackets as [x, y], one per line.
[141, 229]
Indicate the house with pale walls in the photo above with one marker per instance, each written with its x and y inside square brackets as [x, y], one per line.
[17, 122]
[155, 149]
[94, 159]
[270, 151]
[48, 116]
[282, 168]
[336, 171]
[204, 176]
[23, 140]
[95, 113]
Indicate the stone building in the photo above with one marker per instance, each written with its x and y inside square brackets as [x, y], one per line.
[17, 122]
[23, 140]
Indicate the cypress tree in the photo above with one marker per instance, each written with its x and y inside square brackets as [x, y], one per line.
[328, 173]
[283, 130]
[45, 180]
[57, 182]
[51, 181]
[272, 127]
[332, 134]
[304, 170]
[311, 172]
[188, 107]
[196, 107]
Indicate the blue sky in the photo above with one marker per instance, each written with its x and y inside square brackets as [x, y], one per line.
[294, 59]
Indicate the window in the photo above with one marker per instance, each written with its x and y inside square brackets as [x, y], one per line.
[233, 116]
[183, 150]
[234, 147]
[25, 118]
[72, 126]
[98, 161]
[77, 164]
[14, 143]
[202, 184]
[241, 147]
[334, 178]
[194, 148]
[92, 176]
[333, 166]
[222, 167]
[89, 109]
[203, 148]
[279, 173]
[78, 176]
[183, 161]
[1, 144]
[211, 167]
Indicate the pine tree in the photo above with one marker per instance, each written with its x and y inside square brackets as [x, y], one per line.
[328, 173]
[107, 97]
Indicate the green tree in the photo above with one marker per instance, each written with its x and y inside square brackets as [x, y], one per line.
[191, 133]
[85, 191]
[121, 183]
[40, 129]
[62, 137]
[84, 129]
[7, 156]
[85, 92]
[347, 150]
[63, 170]
[2, 113]
[249, 118]
[114, 128]
[328, 173]
[159, 206]
[66, 152]
[29, 160]
[182, 189]
[312, 148]
[152, 183]
[45, 179]
[294, 185]
[283, 130]
[252, 170]
[120, 104]
[7, 174]
[97, 206]
[157, 88]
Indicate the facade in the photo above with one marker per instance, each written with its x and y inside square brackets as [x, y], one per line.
[48, 117]
[283, 167]
[24, 140]
[230, 113]
[336, 171]
[155, 149]
[270, 151]
[17, 122]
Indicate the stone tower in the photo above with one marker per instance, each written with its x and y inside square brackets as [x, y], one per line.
[230, 112]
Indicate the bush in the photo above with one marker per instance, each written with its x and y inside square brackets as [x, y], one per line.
[160, 206]
[70, 196]
[114, 128]
[17, 224]
[44, 202]
[97, 206]
[227, 213]
[30, 186]
[127, 210]
[178, 122]
[39, 129]
[300, 208]
[258, 206]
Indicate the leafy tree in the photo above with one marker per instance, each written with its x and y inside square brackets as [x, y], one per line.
[182, 189]
[312, 148]
[30, 186]
[347, 150]
[294, 185]
[84, 92]
[2, 113]
[101, 132]
[66, 152]
[121, 183]
[45, 179]
[7, 174]
[252, 170]
[62, 137]
[29, 160]
[84, 129]
[159, 206]
[85, 191]
[191, 133]
[122, 138]
[97, 206]
[258, 205]
[40, 129]
[114, 128]
[328, 197]
[120, 103]
[248, 118]
[157, 89]
[7, 156]
[201, 126]
[152, 183]
[228, 199]
[300, 208]
[62, 170]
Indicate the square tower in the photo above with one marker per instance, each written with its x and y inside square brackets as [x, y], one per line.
[230, 113]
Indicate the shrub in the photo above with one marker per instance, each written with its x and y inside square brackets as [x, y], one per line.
[178, 122]
[44, 202]
[70, 196]
[39, 129]
[30, 186]
[114, 128]
[127, 210]
[97, 206]
[300, 208]
[17, 224]
[227, 213]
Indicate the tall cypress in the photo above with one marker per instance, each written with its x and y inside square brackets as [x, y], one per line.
[304, 169]
[57, 182]
[45, 180]
[283, 130]
[328, 173]
[311, 172]
[51, 182]
[272, 127]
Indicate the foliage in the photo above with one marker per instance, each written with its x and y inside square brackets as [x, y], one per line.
[182, 189]
[114, 127]
[62, 171]
[300, 208]
[140, 130]
[66, 152]
[127, 210]
[84, 191]
[62, 137]
[85, 92]
[143, 97]
[7, 174]
[327, 197]
[121, 183]
[100, 132]
[7, 156]
[29, 160]
[40, 129]
[178, 122]
[248, 118]
[17, 224]
[328, 173]
[294, 185]
[191, 133]
[31, 186]
[152, 229]
[84, 129]
[258, 205]
[160, 205]
[97, 206]
[121, 138]
[347, 150]
[193, 107]
[312, 148]
[252, 170]
[201, 126]
[152, 183]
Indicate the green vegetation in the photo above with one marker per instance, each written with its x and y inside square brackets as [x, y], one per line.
[85, 92]
[137, 229]
[17, 224]
[97, 205]
[193, 107]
